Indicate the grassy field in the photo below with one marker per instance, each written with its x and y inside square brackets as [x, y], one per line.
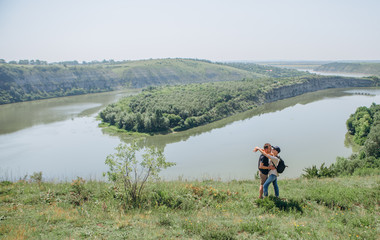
[359, 67]
[330, 208]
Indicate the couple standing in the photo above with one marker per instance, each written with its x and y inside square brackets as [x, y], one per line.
[268, 162]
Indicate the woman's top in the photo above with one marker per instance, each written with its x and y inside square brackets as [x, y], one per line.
[274, 161]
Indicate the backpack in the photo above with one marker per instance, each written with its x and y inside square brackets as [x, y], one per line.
[281, 165]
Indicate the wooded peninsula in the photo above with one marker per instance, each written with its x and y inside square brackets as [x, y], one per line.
[177, 108]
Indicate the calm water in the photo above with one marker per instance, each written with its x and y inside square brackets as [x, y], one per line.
[61, 137]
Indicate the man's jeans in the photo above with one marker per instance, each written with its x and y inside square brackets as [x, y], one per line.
[271, 178]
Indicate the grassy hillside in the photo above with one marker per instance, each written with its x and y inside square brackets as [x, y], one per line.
[269, 71]
[362, 68]
[31, 82]
[177, 71]
[331, 208]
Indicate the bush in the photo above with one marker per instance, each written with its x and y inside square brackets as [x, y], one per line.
[36, 177]
[323, 171]
[348, 166]
[366, 172]
[79, 194]
[129, 174]
[372, 144]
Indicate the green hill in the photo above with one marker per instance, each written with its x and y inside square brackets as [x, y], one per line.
[177, 108]
[30, 82]
[362, 68]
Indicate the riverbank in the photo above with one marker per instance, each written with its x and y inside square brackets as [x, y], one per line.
[330, 208]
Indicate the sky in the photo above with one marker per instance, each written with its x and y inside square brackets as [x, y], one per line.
[216, 30]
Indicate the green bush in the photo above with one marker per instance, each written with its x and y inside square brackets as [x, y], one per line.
[79, 193]
[129, 174]
[359, 124]
[36, 177]
[323, 171]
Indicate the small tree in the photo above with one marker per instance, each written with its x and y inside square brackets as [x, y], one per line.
[129, 174]
[36, 177]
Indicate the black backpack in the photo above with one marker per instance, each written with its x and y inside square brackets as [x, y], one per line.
[281, 165]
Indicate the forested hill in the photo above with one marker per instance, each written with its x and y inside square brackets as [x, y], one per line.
[177, 108]
[362, 68]
[31, 82]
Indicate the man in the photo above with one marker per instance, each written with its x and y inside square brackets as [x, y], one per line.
[263, 166]
[272, 174]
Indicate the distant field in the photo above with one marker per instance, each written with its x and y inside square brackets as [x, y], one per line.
[362, 68]
[295, 64]
[31, 82]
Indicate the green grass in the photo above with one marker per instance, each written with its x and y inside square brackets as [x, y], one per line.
[330, 208]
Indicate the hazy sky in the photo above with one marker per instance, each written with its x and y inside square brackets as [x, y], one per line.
[217, 30]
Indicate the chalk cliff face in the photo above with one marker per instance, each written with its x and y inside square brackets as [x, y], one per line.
[315, 84]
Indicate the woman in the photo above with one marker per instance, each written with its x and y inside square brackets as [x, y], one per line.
[264, 168]
[273, 174]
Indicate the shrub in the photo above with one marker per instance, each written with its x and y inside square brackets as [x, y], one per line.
[36, 177]
[130, 174]
[48, 197]
[323, 171]
[78, 194]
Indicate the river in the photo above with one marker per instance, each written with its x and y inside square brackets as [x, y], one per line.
[61, 137]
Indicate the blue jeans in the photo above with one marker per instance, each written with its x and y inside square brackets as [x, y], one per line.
[271, 178]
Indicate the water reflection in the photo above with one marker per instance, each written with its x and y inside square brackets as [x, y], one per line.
[18, 116]
[162, 140]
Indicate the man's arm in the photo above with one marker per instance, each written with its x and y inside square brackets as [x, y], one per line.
[262, 151]
[265, 167]
[265, 154]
